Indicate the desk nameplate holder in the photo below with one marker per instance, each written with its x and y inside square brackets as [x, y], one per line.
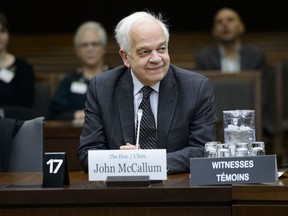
[127, 168]
[55, 170]
[128, 181]
[233, 170]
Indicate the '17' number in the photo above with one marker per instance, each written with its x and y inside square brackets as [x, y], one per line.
[51, 163]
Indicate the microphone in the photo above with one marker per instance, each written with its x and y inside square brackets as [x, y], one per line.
[139, 117]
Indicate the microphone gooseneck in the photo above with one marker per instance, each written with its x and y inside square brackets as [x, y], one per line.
[139, 117]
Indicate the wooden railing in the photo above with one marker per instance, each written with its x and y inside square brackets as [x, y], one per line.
[55, 52]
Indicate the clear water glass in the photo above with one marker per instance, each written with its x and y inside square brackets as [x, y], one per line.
[1, 112]
[224, 150]
[257, 148]
[239, 127]
[211, 149]
[242, 149]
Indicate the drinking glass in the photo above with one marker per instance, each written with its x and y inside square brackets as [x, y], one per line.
[257, 148]
[242, 149]
[224, 150]
[239, 127]
[211, 149]
[1, 112]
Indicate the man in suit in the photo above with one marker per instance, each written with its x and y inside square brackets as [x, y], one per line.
[182, 101]
[229, 54]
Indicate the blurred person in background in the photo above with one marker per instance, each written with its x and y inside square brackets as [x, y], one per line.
[16, 80]
[69, 99]
[229, 54]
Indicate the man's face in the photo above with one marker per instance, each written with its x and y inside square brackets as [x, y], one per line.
[90, 49]
[4, 38]
[227, 26]
[148, 57]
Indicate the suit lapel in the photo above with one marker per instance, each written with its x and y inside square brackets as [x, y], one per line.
[166, 107]
[124, 94]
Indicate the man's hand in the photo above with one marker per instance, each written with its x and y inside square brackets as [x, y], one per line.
[128, 146]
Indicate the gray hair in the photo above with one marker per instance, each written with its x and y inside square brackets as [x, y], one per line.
[123, 28]
[95, 26]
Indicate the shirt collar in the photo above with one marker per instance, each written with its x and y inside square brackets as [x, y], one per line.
[222, 53]
[138, 85]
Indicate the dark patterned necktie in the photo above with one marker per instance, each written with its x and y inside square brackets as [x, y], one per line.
[147, 136]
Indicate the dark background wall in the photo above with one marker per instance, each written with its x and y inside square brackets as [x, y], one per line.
[65, 15]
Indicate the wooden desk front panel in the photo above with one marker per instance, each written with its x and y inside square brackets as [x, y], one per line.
[120, 211]
[263, 210]
[22, 194]
[260, 199]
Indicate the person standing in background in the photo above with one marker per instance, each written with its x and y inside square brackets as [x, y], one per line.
[90, 42]
[229, 54]
[17, 88]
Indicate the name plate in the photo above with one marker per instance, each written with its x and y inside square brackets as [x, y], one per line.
[144, 162]
[233, 170]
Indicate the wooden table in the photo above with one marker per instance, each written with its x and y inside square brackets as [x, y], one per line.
[22, 194]
[63, 136]
[257, 199]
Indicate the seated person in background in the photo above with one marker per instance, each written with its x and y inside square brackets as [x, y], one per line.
[229, 54]
[182, 101]
[16, 80]
[69, 99]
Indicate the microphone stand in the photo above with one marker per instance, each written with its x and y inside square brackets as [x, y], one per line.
[139, 117]
[126, 181]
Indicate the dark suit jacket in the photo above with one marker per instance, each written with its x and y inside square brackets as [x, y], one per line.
[209, 58]
[186, 118]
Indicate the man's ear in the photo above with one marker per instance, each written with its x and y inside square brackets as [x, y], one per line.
[242, 28]
[124, 56]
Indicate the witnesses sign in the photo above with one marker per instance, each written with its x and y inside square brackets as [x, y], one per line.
[233, 170]
[148, 162]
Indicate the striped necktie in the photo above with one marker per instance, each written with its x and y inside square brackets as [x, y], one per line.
[147, 136]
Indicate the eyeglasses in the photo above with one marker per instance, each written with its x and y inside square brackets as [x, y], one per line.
[88, 44]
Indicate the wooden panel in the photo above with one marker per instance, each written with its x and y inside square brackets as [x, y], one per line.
[263, 210]
[22, 194]
[120, 211]
[63, 136]
[55, 52]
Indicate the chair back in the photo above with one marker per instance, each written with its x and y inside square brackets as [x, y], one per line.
[237, 91]
[27, 147]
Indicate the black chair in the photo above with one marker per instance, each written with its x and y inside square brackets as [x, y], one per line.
[27, 147]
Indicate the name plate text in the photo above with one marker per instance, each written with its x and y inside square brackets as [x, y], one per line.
[233, 170]
[144, 162]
